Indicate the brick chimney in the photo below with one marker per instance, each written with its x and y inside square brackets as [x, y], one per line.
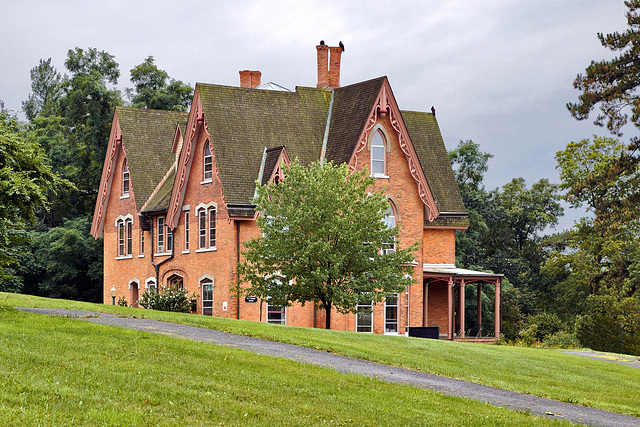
[250, 79]
[328, 66]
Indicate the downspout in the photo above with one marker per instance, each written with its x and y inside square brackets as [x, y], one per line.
[237, 262]
[157, 266]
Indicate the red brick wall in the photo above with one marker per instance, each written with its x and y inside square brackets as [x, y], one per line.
[435, 246]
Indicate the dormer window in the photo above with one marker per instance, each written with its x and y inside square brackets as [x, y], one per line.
[378, 154]
[125, 179]
[207, 163]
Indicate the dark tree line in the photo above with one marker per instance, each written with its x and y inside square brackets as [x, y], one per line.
[47, 249]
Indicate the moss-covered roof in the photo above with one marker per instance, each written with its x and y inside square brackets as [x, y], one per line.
[242, 122]
[351, 108]
[429, 146]
[147, 137]
[160, 200]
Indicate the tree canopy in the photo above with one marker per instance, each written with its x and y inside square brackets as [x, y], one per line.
[154, 89]
[323, 239]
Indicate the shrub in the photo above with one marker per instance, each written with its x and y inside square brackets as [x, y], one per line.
[561, 340]
[168, 299]
[540, 327]
[610, 324]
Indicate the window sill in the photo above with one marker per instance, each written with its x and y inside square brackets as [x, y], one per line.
[206, 250]
[162, 254]
[379, 175]
[125, 196]
[185, 252]
[141, 256]
[206, 181]
[124, 257]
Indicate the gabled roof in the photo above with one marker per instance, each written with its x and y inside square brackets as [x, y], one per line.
[242, 122]
[147, 137]
[250, 129]
[427, 141]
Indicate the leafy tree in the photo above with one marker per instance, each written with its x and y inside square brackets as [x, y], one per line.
[46, 87]
[24, 180]
[155, 90]
[323, 235]
[608, 240]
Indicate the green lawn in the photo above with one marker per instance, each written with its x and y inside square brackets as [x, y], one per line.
[545, 373]
[56, 371]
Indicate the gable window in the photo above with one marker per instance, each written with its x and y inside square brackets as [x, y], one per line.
[207, 297]
[207, 226]
[125, 179]
[378, 154]
[124, 227]
[160, 234]
[207, 162]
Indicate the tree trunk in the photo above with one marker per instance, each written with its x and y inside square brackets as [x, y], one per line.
[327, 310]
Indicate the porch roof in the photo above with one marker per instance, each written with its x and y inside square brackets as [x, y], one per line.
[450, 270]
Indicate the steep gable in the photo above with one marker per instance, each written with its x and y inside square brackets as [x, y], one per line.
[425, 134]
[147, 136]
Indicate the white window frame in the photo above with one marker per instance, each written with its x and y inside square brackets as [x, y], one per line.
[208, 309]
[369, 308]
[124, 231]
[379, 129]
[186, 232]
[150, 284]
[397, 319]
[141, 254]
[207, 164]
[281, 310]
[391, 246]
[207, 217]
[126, 178]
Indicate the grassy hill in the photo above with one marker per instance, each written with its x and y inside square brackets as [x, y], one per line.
[57, 371]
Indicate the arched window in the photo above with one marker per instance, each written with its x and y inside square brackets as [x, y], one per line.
[390, 221]
[207, 162]
[125, 179]
[124, 227]
[207, 216]
[378, 154]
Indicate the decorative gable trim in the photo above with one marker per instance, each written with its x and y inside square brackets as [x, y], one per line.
[111, 158]
[277, 171]
[386, 105]
[195, 124]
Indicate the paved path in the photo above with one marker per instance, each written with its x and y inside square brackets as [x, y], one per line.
[609, 357]
[536, 405]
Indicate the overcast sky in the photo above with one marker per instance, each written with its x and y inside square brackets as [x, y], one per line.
[499, 72]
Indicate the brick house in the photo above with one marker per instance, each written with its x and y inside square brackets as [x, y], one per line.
[175, 197]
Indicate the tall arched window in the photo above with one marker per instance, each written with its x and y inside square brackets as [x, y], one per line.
[207, 162]
[125, 179]
[378, 154]
[124, 227]
[207, 223]
[390, 221]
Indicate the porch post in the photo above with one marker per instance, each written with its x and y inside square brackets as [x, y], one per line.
[498, 320]
[450, 306]
[462, 308]
[425, 304]
[479, 306]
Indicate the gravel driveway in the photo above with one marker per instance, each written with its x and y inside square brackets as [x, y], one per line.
[535, 405]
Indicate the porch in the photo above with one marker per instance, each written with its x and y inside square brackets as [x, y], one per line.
[445, 303]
